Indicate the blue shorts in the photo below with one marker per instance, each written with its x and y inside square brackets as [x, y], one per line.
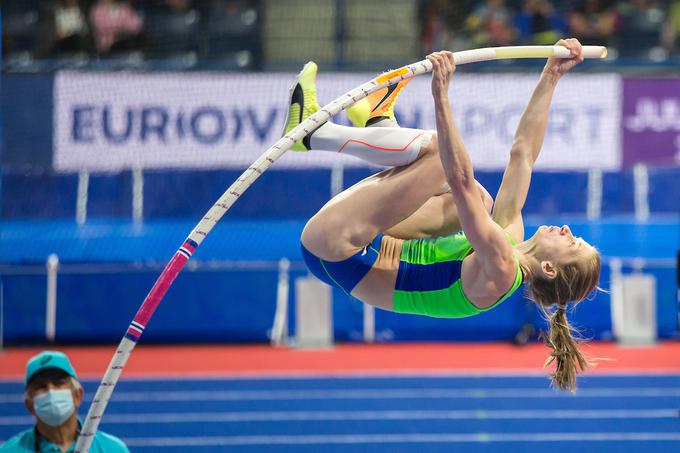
[344, 274]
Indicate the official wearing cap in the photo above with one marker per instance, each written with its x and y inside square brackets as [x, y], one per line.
[53, 395]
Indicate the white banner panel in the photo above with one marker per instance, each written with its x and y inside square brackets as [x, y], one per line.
[112, 121]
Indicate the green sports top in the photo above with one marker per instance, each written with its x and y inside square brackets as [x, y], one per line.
[429, 278]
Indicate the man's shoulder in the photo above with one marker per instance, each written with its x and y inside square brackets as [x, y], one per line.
[109, 443]
[19, 443]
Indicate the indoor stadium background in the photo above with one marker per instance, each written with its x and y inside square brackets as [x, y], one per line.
[114, 145]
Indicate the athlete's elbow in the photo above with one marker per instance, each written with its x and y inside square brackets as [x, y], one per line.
[522, 151]
[464, 187]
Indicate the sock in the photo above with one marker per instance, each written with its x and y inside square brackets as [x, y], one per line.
[387, 146]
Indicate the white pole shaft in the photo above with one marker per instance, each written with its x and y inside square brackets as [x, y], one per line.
[270, 156]
[350, 98]
[51, 299]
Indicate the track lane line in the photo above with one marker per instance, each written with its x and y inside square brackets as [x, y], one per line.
[267, 416]
[387, 438]
[371, 394]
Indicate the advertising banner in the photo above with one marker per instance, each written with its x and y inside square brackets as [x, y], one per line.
[651, 121]
[113, 121]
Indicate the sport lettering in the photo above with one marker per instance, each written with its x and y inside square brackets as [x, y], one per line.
[662, 115]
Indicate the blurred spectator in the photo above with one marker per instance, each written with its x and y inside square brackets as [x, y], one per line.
[642, 21]
[539, 23]
[116, 26]
[233, 31]
[232, 17]
[671, 29]
[593, 22]
[63, 29]
[20, 26]
[174, 27]
[442, 23]
[491, 24]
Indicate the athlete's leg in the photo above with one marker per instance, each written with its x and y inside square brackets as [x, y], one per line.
[352, 219]
[399, 147]
[392, 148]
[436, 217]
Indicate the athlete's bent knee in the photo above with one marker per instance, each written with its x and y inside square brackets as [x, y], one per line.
[325, 236]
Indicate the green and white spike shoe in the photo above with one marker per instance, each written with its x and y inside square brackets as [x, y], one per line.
[302, 103]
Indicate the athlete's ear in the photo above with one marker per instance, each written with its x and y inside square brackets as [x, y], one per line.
[548, 269]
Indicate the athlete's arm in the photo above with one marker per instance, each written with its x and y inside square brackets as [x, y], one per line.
[487, 238]
[528, 141]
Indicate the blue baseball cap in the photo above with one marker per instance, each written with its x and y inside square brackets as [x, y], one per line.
[48, 360]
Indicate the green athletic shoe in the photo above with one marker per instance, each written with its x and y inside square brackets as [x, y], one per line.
[376, 106]
[302, 103]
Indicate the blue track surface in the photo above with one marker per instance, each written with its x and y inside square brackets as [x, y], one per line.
[395, 414]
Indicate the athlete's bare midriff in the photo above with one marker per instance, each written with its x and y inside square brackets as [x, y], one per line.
[377, 286]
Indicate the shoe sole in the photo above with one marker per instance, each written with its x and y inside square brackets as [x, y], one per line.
[291, 95]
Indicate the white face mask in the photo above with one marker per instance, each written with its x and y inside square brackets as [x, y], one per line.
[54, 407]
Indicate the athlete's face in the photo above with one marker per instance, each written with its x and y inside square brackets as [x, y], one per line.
[558, 244]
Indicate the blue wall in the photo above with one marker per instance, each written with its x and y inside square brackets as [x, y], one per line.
[295, 194]
[208, 304]
[26, 107]
[37, 214]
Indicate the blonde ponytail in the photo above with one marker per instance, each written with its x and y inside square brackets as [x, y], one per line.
[574, 281]
[568, 359]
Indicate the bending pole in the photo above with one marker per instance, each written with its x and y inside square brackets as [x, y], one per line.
[228, 198]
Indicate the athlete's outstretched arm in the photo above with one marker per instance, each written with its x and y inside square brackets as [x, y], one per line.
[487, 238]
[528, 142]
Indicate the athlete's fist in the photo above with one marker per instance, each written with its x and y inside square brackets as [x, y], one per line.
[443, 67]
[557, 67]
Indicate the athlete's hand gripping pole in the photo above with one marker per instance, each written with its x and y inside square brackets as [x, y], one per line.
[215, 213]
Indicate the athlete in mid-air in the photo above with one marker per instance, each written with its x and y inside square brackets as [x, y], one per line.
[389, 241]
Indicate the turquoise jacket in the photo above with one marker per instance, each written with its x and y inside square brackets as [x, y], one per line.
[24, 442]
